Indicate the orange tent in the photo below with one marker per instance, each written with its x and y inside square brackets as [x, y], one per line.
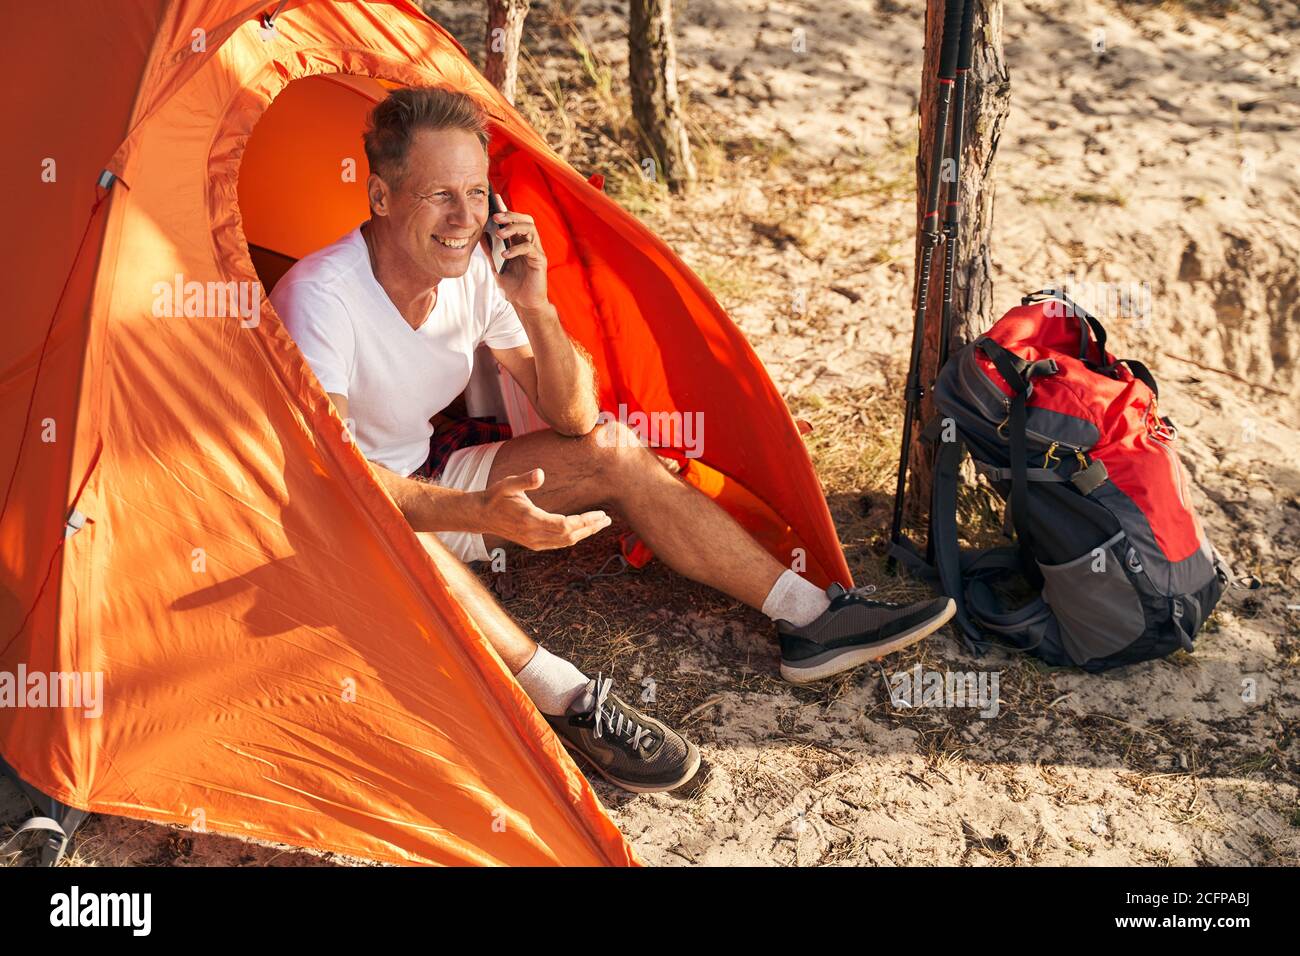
[183, 517]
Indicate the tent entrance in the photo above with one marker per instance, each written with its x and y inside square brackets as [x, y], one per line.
[270, 265]
[302, 178]
[302, 185]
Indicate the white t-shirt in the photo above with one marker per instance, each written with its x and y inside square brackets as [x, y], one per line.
[395, 378]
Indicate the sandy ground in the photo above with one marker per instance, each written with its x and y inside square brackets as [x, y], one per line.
[1148, 146]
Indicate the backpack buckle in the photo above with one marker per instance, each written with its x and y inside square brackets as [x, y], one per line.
[1159, 426]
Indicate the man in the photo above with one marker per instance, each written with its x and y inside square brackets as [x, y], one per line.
[389, 318]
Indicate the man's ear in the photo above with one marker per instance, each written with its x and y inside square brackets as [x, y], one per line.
[377, 192]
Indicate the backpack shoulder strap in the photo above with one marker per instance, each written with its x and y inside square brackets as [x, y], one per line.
[982, 618]
[943, 537]
[1019, 376]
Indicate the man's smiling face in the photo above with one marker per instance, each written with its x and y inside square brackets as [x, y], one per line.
[439, 207]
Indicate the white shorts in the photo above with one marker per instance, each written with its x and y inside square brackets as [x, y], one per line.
[467, 470]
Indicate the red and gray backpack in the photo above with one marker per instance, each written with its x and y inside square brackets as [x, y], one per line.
[1071, 438]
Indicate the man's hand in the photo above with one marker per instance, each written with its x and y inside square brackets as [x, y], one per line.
[523, 283]
[509, 513]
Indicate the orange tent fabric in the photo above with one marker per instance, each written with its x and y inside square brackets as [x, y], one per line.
[182, 512]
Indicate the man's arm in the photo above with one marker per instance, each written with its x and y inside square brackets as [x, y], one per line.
[557, 379]
[502, 509]
[426, 506]
[554, 372]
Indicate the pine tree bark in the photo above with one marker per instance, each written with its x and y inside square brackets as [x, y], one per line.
[505, 30]
[988, 100]
[656, 106]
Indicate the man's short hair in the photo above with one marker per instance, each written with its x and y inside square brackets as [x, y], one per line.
[395, 119]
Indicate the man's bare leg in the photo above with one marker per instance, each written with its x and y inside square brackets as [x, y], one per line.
[686, 529]
[552, 683]
[634, 751]
[513, 646]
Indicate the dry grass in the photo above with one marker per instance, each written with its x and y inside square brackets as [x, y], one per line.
[581, 104]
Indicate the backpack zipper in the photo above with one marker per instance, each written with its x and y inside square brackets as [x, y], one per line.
[1178, 467]
[993, 390]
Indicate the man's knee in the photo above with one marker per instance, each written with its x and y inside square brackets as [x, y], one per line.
[617, 451]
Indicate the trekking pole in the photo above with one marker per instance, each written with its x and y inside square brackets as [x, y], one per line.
[952, 208]
[930, 234]
[952, 216]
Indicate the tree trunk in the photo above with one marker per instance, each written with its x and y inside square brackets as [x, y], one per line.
[505, 28]
[988, 99]
[652, 72]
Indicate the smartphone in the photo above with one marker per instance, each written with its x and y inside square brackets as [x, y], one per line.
[496, 246]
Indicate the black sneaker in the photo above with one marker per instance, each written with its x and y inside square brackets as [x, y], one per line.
[855, 630]
[630, 749]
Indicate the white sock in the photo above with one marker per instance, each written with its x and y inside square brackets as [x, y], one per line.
[795, 600]
[552, 682]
